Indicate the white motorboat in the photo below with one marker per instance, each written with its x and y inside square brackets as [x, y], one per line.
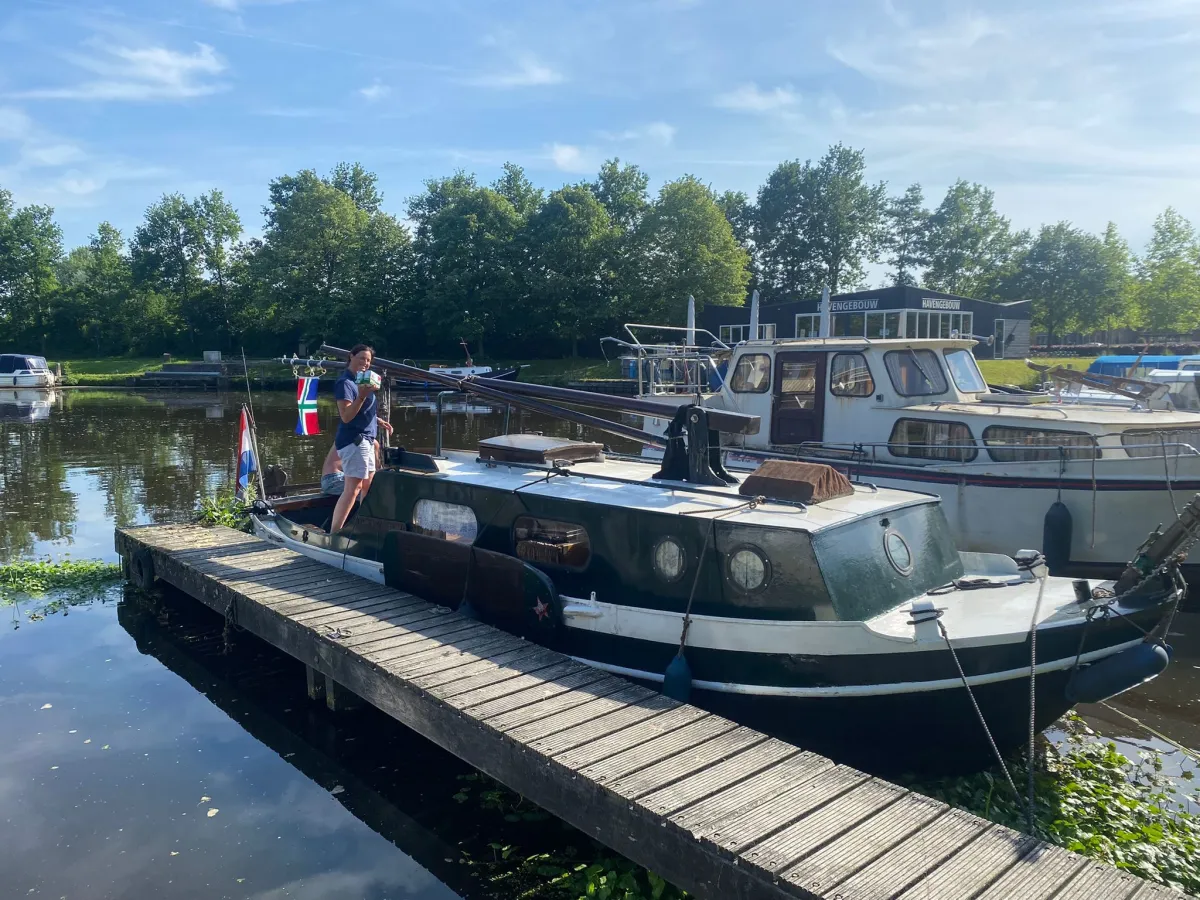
[22, 370]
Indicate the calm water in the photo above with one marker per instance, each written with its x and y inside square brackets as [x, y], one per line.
[127, 724]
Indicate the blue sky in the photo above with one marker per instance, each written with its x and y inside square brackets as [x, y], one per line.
[1086, 110]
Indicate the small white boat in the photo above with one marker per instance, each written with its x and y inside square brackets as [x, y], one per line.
[20, 370]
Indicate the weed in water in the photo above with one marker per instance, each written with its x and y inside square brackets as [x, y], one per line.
[224, 508]
[54, 586]
[1094, 800]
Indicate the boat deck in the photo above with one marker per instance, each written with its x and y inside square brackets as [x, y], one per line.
[720, 810]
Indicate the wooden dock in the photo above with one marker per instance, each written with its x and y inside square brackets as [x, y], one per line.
[720, 810]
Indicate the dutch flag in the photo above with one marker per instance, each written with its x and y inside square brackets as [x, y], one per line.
[247, 465]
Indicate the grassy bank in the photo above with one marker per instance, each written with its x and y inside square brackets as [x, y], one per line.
[103, 371]
[1014, 371]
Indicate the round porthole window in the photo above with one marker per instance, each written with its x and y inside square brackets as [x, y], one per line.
[748, 569]
[669, 559]
[897, 551]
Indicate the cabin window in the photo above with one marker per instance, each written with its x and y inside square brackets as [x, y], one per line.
[8, 364]
[445, 520]
[551, 542]
[929, 439]
[1176, 442]
[1008, 443]
[752, 374]
[36, 364]
[748, 569]
[670, 559]
[964, 371]
[915, 373]
[850, 376]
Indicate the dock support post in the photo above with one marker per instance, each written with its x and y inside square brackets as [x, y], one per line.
[316, 683]
[339, 698]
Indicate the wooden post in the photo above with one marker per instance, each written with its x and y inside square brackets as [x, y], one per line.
[339, 698]
[316, 683]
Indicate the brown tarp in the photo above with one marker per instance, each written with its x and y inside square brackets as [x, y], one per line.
[782, 479]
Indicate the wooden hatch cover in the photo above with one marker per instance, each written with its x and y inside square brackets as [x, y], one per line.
[537, 448]
[784, 479]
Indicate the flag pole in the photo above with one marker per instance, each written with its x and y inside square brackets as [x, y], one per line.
[262, 485]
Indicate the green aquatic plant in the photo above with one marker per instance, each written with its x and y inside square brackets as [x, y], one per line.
[584, 870]
[52, 587]
[35, 578]
[1092, 799]
[225, 508]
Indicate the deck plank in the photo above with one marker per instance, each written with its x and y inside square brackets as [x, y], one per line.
[674, 798]
[1038, 875]
[664, 772]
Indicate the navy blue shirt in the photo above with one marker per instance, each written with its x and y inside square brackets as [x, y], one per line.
[365, 423]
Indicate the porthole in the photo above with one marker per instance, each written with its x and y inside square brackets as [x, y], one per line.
[749, 570]
[669, 559]
[897, 551]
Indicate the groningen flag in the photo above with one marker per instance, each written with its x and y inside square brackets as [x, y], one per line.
[306, 400]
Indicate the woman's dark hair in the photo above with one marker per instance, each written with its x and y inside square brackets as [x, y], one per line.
[359, 348]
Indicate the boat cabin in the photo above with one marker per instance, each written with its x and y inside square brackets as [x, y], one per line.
[919, 402]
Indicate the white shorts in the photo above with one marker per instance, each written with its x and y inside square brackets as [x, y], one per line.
[358, 460]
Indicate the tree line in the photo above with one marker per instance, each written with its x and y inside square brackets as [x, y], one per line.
[519, 271]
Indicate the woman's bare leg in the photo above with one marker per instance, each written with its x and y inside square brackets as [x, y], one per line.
[345, 502]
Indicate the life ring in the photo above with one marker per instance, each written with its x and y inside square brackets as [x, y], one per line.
[141, 569]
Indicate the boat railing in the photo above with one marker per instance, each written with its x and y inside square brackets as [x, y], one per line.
[863, 451]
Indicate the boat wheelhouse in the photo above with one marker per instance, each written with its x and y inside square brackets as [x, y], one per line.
[21, 370]
[916, 414]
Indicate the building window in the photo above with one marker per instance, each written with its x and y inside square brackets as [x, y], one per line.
[752, 374]
[883, 325]
[928, 439]
[915, 373]
[445, 520]
[735, 334]
[808, 325]
[850, 376]
[938, 324]
[1007, 443]
[551, 542]
[965, 373]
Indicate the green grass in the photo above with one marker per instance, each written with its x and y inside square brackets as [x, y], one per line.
[1014, 371]
[109, 370]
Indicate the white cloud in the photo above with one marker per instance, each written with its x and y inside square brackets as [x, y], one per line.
[570, 158]
[750, 98]
[140, 73]
[527, 72]
[375, 91]
[35, 147]
[660, 133]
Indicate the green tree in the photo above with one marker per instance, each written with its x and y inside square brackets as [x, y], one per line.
[904, 237]
[358, 184]
[624, 192]
[471, 285]
[518, 190]
[30, 252]
[1117, 306]
[1168, 292]
[971, 249]
[386, 286]
[569, 246]
[1066, 275]
[817, 224]
[96, 283]
[691, 250]
[309, 258]
[438, 194]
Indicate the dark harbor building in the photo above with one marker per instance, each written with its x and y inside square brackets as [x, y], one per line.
[1002, 329]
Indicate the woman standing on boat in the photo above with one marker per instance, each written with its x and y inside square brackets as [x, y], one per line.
[355, 437]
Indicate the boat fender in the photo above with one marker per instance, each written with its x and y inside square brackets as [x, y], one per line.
[141, 569]
[1118, 673]
[1056, 537]
[677, 680]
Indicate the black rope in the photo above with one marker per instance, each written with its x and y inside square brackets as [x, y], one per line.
[978, 712]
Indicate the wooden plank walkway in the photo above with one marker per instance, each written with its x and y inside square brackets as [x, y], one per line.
[720, 810]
